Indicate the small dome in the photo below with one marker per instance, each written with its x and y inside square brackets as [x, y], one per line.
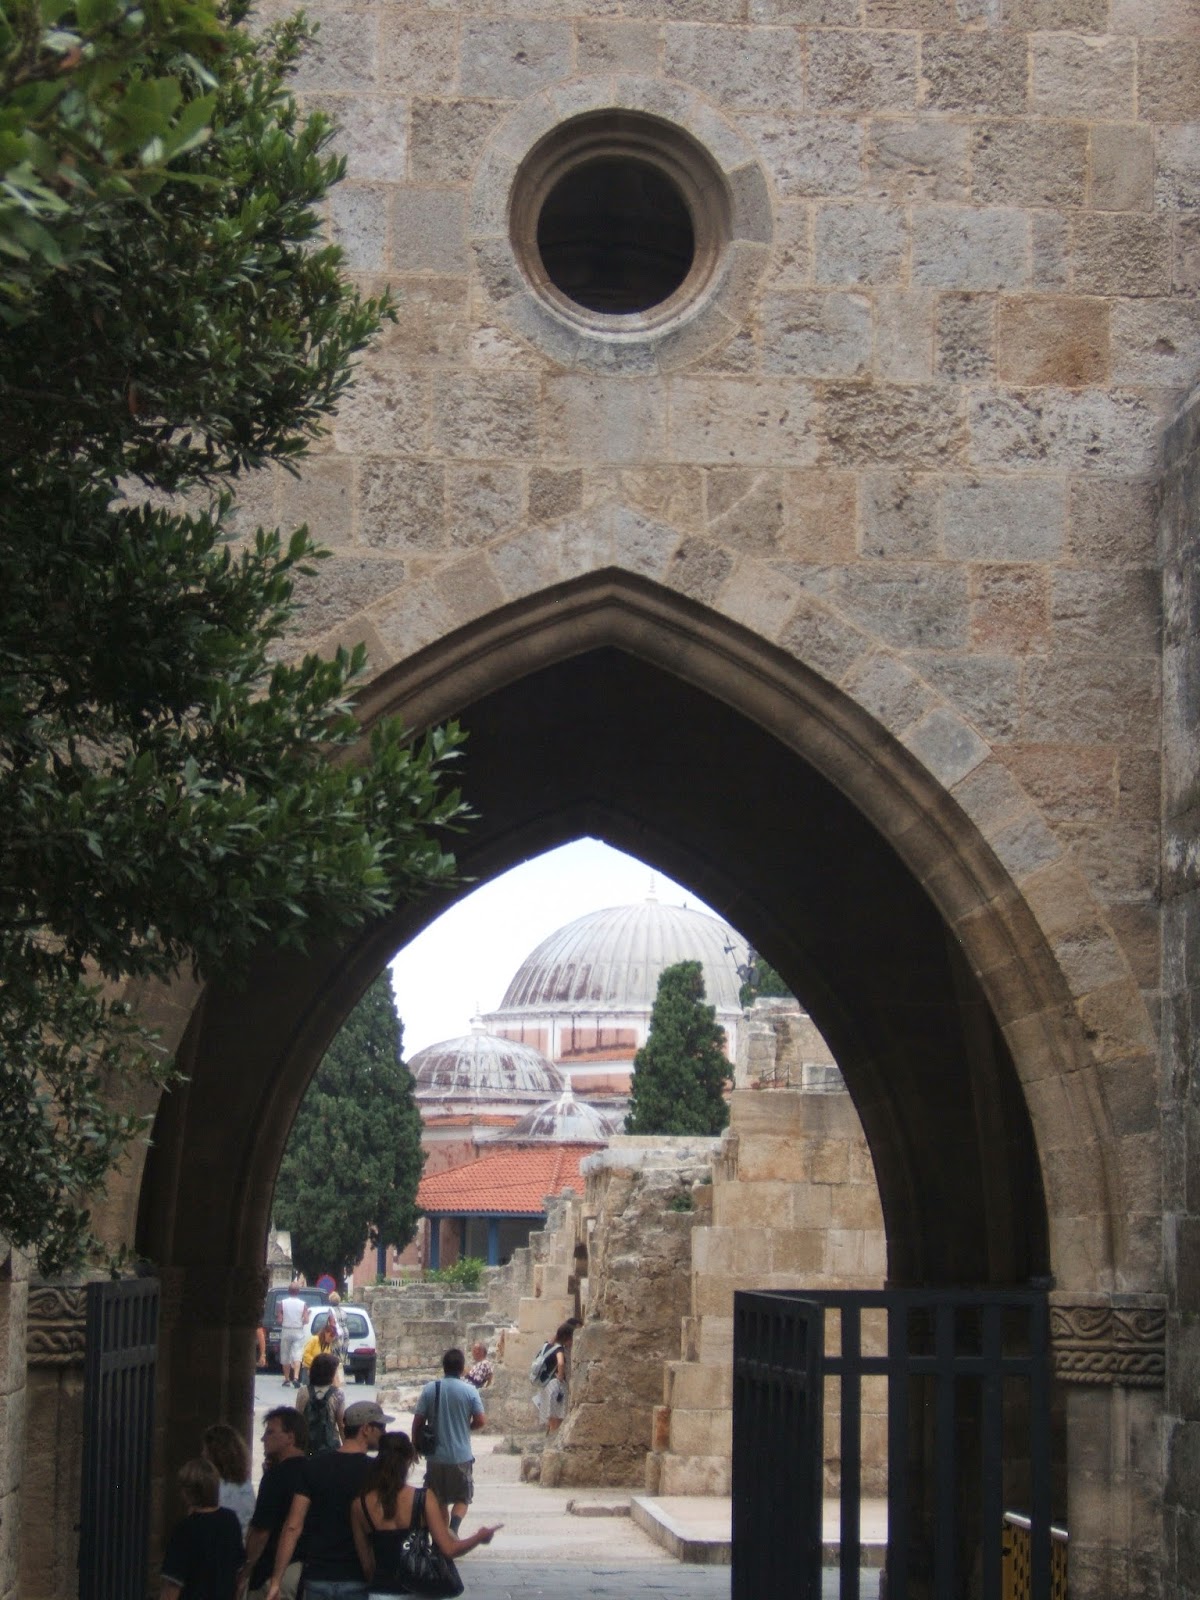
[565, 1121]
[612, 960]
[484, 1067]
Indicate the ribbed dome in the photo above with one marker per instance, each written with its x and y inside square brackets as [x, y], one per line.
[484, 1067]
[612, 960]
[565, 1121]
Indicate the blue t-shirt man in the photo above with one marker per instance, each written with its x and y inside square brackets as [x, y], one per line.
[448, 1467]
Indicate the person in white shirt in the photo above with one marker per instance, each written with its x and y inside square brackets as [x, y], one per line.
[293, 1314]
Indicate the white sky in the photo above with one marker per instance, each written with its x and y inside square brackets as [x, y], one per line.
[464, 961]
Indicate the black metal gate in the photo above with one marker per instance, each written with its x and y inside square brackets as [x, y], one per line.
[968, 1432]
[777, 1447]
[118, 1427]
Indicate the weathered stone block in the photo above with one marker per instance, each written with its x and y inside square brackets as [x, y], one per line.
[974, 72]
[817, 156]
[919, 426]
[1177, 168]
[402, 505]
[674, 494]
[985, 689]
[447, 139]
[745, 508]
[419, 50]
[1053, 340]
[344, 54]
[1185, 275]
[965, 349]
[1044, 16]
[916, 161]
[1087, 77]
[859, 244]
[383, 413]
[753, 422]
[1115, 434]
[1168, 80]
[617, 46]
[958, 248]
[797, 1250]
[699, 568]
[815, 335]
[431, 323]
[509, 60]
[1111, 524]
[854, 71]
[822, 640]
[1089, 700]
[485, 414]
[754, 69]
[999, 519]
[912, 606]
[1121, 255]
[359, 219]
[899, 515]
[1010, 609]
[1122, 168]
[605, 419]
[813, 13]
[482, 502]
[1120, 612]
[429, 230]
[1029, 164]
[1156, 343]
[372, 133]
[322, 498]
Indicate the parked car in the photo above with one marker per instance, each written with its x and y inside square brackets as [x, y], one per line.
[360, 1341]
[312, 1297]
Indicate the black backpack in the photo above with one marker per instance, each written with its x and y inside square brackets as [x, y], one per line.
[322, 1425]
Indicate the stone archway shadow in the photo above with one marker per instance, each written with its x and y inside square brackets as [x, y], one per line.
[611, 706]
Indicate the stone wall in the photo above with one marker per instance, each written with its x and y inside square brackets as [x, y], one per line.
[1180, 524]
[415, 1323]
[641, 1206]
[14, 1291]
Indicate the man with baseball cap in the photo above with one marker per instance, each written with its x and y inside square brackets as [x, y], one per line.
[329, 1485]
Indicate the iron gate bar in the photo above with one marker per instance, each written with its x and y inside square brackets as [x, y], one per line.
[992, 1435]
[850, 1398]
[1039, 1466]
[898, 1376]
[944, 1451]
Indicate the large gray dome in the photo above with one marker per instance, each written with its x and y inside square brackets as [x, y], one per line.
[484, 1067]
[564, 1121]
[612, 960]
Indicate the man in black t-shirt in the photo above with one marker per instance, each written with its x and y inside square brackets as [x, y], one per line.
[285, 1449]
[329, 1485]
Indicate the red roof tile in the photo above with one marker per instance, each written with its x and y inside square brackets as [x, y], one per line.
[513, 1182]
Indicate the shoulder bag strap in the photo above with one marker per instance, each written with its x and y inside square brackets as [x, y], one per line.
[362, 1500]
[437, 1395]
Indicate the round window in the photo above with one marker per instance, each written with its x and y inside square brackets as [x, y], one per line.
[619, 220]
[615, 235]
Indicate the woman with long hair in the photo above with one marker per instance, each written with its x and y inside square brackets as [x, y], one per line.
[389, 1508]
[229, 1453]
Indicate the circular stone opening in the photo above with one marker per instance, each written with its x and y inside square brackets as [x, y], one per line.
[615, 235]
[619, 221]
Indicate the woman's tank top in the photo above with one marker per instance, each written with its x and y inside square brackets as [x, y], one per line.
[386, 1544]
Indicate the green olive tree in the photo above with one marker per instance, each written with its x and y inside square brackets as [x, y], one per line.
[175, 785]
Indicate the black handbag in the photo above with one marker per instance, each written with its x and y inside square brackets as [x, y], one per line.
[427, 1443]
[422, 1567]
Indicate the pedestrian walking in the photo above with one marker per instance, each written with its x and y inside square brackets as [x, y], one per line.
[452, 1410]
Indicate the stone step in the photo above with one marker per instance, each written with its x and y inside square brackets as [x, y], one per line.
[695, 1385]
[697, 1528]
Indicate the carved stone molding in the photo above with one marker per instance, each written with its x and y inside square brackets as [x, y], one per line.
[1124, 1346]
[56, 1333]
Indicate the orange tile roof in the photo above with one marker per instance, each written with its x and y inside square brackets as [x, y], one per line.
[511, 1182]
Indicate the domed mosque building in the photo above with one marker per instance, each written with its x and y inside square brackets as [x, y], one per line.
[512, 1108]
[584, 996]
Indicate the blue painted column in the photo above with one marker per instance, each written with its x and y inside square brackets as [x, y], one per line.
[493, 1256]
[435, 1242]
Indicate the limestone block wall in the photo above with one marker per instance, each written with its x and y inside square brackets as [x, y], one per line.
[416, 1323]
[913, 443]
[641, 1207]
[14, 1294]
[794, 1205]
[1181, 1025]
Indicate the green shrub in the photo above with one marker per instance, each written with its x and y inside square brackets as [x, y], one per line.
[682, 1202]
[465, 1274]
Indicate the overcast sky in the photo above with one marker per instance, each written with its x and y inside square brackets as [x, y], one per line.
[464, 961]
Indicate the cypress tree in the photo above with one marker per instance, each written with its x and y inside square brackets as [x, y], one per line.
[680, 1073]
[353, 1159]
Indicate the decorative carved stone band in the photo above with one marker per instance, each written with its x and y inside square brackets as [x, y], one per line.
[1124, 1346]
[57, 1328]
